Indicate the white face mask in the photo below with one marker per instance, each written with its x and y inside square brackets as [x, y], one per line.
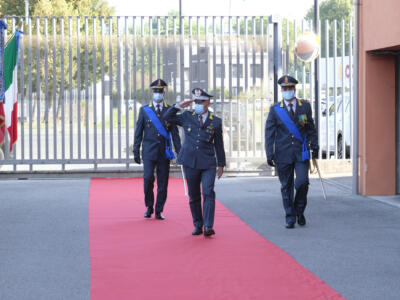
[158, 97]
[288, 95]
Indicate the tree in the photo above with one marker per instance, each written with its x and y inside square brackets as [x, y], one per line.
[16, 7]
[333, 10]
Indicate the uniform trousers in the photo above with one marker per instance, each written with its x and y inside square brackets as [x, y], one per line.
[294, 205]
[162, 170]
[205, 179]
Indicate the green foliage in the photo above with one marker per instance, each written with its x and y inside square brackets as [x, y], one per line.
[333, 10]
[16, 7]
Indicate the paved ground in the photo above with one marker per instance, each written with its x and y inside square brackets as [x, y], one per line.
[351, 242]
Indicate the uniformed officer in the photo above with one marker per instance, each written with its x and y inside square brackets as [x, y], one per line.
[155, 132]
[202, 156]
[289, 135]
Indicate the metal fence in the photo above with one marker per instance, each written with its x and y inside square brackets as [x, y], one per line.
[82, 81]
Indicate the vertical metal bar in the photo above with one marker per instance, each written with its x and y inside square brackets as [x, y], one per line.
[158, 49]
[344, 102]
[70, 98]
[190, 55]
[110, 75]
[295, 38]
[222, 68]
[327, 88]
[30, 92]
[287, 47]
[46, 78]
[214, 64]
[246, 81]
[103, 112]
[22, 97]
[182, 58]
[198, 75]
[38, 84]
[142, 55]
[127, 90]
[303, 69]
[335, 133]
[253, 121]
[87, 86]
[119, 88]
[238, 81]
[230, 86]
[62, 94]
[78, 85]
[206, 47]
[176, 67]
[94, 91]
[318, 94]
[262, 89]
[352, 105]
[151, 49]
[134, 72]
[54, 87]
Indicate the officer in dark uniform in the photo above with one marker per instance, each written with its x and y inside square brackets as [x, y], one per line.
[202, 156]
[154, 149]
[288, 149]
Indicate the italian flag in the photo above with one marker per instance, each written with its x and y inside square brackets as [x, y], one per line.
[11, 87]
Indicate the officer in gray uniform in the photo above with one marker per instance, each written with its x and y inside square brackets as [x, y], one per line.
[202, 156]
[289, 135]
[154, 150]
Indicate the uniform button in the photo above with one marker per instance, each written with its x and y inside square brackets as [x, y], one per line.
[198, 141]
[197, 147]
[198, 135]
[292, 143]
[292, 136]
[158, 134]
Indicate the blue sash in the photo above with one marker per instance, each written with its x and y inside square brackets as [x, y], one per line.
[305, 155]
[160, 128]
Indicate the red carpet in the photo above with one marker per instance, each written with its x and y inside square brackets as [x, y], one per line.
[136, 258]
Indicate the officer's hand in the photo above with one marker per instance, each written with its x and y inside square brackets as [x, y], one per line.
[185, 103]
[220, 171]
[271, 162]
[136, 158]
[314, 154]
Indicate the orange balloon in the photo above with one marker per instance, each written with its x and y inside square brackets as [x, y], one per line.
[307, 47]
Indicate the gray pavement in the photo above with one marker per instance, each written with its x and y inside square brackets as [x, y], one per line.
[44, 248]
[350, 242]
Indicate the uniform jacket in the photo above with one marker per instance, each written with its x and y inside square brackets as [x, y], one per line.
[147, 134]
[280, 144]
[203, 147]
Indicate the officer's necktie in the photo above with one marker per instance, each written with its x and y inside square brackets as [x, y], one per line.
[291, 111]
[201, 120]
[158, 109]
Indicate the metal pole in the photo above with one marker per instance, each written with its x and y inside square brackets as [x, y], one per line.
[180, 17]
[355, 102]
[316, 68]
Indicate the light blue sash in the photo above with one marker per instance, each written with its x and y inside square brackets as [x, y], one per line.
[305, 155]
[160, 128]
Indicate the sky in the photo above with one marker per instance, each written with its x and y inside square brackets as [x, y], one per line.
[294, 9]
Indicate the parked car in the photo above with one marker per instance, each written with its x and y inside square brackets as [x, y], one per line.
[342, 133]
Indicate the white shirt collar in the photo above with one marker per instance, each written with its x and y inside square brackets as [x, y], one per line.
[294, 102]
[161, 105]
[205, 116]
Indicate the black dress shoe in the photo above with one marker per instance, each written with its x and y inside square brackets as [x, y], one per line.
[159, 216]
[290, 225]
[301, 220]
[197, 231]
[208, 231]
[148, 212]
